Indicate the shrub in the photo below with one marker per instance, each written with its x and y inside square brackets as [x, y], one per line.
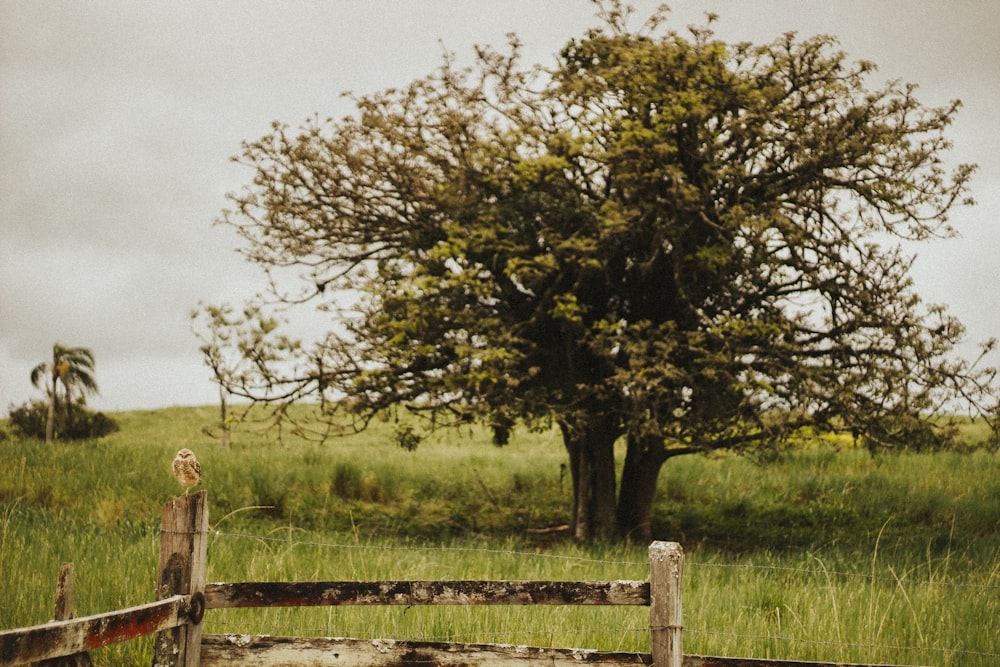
[28, 420]
[87, 424]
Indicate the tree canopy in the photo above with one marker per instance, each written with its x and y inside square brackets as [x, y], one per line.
[666, 238]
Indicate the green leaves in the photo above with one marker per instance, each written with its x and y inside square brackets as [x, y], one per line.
[694, 240]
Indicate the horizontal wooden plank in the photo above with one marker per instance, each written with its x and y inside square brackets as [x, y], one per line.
[61, 638]
[329, 593]
[266, 651]
[707, 661]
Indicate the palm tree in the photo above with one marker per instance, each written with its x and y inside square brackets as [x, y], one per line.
[70, 367]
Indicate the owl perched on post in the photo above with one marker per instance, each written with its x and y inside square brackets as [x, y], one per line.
[187, 470]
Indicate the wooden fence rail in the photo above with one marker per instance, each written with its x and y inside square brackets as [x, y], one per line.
[184, 596]
[408, 593]
[63, 638]
[656, 593]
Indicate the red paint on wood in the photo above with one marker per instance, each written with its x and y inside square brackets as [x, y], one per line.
[132, 626]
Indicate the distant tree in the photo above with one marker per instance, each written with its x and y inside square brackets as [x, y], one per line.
[72, 368]
[683, 243]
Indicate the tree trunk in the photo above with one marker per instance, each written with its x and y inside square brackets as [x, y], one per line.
[67, 421]
[224, 416]
[573, 451]
[50, 419]
[590, 444]
[643, 460]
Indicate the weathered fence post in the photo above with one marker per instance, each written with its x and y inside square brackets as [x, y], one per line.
[183, 560]
[666, 568]
[64, 594]
[64, 612]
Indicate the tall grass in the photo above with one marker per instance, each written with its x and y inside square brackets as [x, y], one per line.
[823, 554]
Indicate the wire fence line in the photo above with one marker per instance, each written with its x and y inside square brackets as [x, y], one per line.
[408, 547]
[894, 579]
[839, 573]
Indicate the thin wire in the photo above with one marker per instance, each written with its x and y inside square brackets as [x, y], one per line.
[857, 575]
[688, 563]
[502, 552]
[182, 532]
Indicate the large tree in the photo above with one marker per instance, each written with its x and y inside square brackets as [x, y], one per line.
[667, 239]
[73, 369]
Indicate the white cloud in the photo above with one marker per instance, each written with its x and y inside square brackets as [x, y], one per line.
[117, 121]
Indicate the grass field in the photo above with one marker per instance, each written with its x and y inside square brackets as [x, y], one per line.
[822, 554]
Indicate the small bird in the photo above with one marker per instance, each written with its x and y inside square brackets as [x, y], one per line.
[187, 470]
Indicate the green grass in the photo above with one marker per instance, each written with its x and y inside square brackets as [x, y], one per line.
[822, 554]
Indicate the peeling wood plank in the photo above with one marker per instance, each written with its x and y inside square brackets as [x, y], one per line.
[265, 651]
[61, 638]
[707, 661]
[330, 593]
[268, 651]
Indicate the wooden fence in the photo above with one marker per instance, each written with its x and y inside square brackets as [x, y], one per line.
[183, 596]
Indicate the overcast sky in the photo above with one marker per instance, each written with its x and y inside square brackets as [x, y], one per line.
[118, 119]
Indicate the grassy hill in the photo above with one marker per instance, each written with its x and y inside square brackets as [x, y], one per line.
[822, 553]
